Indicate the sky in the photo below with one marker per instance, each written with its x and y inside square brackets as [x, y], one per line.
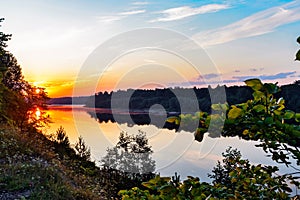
[54, 42]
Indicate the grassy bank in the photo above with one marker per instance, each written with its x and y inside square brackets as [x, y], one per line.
[32, 167]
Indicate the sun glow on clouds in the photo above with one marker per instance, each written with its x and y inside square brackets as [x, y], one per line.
[56, 88]
[53, 43]
[145, 69]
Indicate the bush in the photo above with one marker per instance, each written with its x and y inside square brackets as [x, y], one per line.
[236, 178]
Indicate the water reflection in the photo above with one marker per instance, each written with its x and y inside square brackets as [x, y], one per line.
[173, 152]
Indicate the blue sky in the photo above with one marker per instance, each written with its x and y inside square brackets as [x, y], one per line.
[52, 39]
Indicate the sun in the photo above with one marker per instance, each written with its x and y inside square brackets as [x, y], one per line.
[37, 113]
[37, 90]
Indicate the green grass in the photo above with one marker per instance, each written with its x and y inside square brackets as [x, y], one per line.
[30, 168]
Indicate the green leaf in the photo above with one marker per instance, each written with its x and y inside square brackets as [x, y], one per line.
[280, 108]
[288, 114]
[259, 108]
[219, 106]
[235, 112]
[166, 188]
[232, 173]
[297, 117]
[172, 119]
[255, 84]
[298, 55]
[245, 132]
[271, 88]
[199, 134]
[277, 112]
[149, 185]
[258, 95]
[269, 120]
[216, 107]
[298, 40]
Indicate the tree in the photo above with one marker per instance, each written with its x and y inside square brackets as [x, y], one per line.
[127, 164]
[13, 77]
[3, 39]
[262, 118]
[21, 103]
[235, 178]
[82, 150]
[61, 137]
[131, 154]
[243, 180]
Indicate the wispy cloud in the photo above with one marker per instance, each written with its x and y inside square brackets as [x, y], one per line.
[257, 24]
[140, 3]
[110, 19]
[134, 12]
[208, 76]
[186, 11]
[119, 16]
[282, 75]
[215, 79]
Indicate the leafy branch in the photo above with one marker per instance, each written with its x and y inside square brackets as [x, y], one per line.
[262, 118]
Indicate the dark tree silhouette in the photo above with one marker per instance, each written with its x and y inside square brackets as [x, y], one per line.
[131, 154]
[82, 150]
[127, 165]
[19, 100]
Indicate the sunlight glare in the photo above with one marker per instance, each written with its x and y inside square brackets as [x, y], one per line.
[38, 113]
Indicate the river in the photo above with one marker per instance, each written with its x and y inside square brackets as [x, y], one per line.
[173, 151]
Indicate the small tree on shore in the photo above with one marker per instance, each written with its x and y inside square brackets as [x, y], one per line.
[82, 150]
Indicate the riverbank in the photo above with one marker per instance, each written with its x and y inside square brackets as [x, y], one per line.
[32, 168]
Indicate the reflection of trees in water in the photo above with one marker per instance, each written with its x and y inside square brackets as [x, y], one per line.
[131, 154]
[144, 119]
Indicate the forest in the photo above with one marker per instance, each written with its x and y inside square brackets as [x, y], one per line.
[144, 99]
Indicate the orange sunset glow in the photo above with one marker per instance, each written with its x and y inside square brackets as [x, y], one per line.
[55, 88]
[150, 99]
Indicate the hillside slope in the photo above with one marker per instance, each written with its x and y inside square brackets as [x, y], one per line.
[31, 167]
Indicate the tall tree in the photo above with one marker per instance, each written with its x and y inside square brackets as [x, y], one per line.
[20, 103]
[3, 39]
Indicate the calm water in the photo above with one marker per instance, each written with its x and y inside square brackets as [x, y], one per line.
[173, 151]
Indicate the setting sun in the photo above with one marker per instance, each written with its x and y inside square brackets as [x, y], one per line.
[37, 113]
[150, 99]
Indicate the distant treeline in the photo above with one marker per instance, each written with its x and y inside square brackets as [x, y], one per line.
[171, 99]
[144, 99]
[68, 100]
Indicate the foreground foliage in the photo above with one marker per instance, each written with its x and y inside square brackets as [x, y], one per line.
[263, 118]
[34, 166]
[234, 178]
